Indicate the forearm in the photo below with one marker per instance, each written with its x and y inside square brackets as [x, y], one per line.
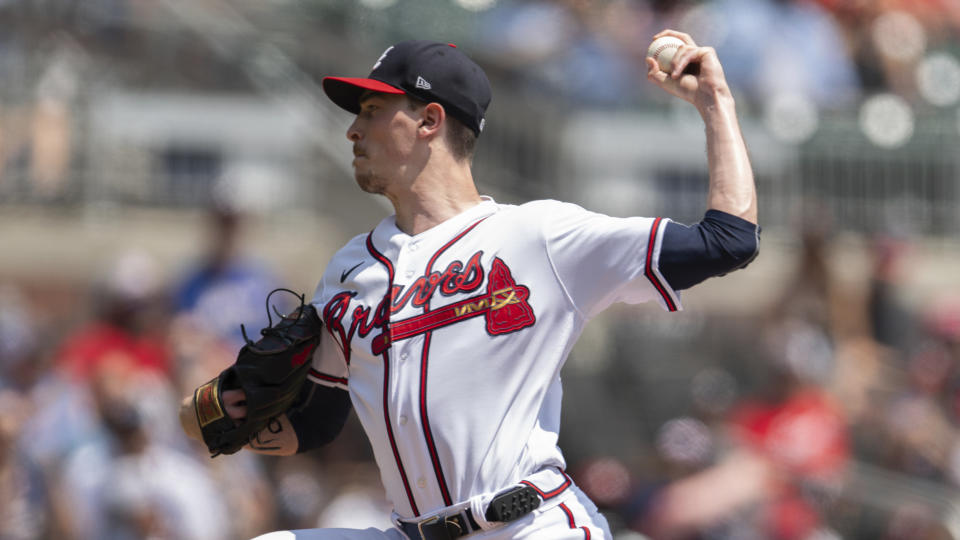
[731, 179]
[277, 439]
[731, 188]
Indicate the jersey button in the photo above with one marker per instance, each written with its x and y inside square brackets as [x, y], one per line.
[403, 420]
[403, 356]
[409, 274]
[413, 247]
[421, 483]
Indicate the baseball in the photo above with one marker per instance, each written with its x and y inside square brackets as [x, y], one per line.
[662, 50]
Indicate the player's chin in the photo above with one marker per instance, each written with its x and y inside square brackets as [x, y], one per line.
[369, 182]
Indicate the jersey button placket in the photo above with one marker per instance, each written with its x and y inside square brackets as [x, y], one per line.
[407, 372]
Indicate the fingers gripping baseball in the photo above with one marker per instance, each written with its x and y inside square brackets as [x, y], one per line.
[695, 73]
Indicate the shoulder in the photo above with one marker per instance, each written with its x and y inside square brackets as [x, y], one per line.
[539, 211]
[355, 248]
[550, 205]
[356, 244]
[549, 218]
[353, 252]
[561, 215]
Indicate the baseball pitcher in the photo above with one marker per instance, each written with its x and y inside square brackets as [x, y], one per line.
[446, 326]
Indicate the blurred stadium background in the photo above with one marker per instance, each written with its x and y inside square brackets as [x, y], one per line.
[164, 163]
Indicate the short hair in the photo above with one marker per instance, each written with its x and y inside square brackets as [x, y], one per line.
[461, 139]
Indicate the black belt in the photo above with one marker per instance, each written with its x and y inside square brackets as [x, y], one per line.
[507, 506]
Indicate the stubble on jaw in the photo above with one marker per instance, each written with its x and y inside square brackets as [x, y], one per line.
[370, 182]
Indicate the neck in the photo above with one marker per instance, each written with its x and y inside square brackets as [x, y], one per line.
[438, 193]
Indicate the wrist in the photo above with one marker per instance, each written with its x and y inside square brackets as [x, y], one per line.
[718, 103]
[188, 419]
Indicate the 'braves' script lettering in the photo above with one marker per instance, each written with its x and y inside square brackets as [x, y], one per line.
[504, 305]
[457, 278]
[361, 325]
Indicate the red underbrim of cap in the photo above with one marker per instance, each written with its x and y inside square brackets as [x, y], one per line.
[346, 92]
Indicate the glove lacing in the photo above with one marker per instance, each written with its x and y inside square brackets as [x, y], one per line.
[272, 330]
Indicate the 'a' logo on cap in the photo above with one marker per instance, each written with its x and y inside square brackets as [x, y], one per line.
[422, 83]
[382, 56]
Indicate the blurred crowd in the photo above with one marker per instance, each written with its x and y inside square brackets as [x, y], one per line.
[830, 52]
[794, 64]
[774, 435]
[90, 444]
[588, 51]
[831, 413]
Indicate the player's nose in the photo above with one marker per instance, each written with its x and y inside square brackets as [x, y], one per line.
[353, 132]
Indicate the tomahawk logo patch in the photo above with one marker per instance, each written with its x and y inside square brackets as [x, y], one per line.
[504, 305]
[509, 310]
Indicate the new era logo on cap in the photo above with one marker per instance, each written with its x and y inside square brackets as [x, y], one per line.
[427, 70]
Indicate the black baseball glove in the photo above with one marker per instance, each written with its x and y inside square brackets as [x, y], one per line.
[270, 372]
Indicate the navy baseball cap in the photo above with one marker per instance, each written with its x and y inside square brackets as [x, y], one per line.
[427, 70]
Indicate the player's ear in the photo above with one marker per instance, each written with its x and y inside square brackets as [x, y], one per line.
[432, 117]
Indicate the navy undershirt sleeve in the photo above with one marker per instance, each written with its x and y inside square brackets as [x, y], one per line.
[718, 244]
[320, 415]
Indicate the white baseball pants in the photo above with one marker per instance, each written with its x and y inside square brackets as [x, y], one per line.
[570, 516]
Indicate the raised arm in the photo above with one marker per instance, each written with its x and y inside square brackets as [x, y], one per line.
[704, 85]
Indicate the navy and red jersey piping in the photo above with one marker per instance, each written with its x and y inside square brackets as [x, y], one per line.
[329, 378]
[386, 384]
[572, 522]
[648, 267]
[546, 495]
[424, 358]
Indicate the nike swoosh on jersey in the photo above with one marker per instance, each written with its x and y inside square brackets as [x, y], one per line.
[345, 273]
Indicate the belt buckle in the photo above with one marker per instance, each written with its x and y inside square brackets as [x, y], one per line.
[428, 521]
[459, 521]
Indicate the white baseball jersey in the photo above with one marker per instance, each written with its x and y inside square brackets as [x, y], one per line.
[451, 341]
